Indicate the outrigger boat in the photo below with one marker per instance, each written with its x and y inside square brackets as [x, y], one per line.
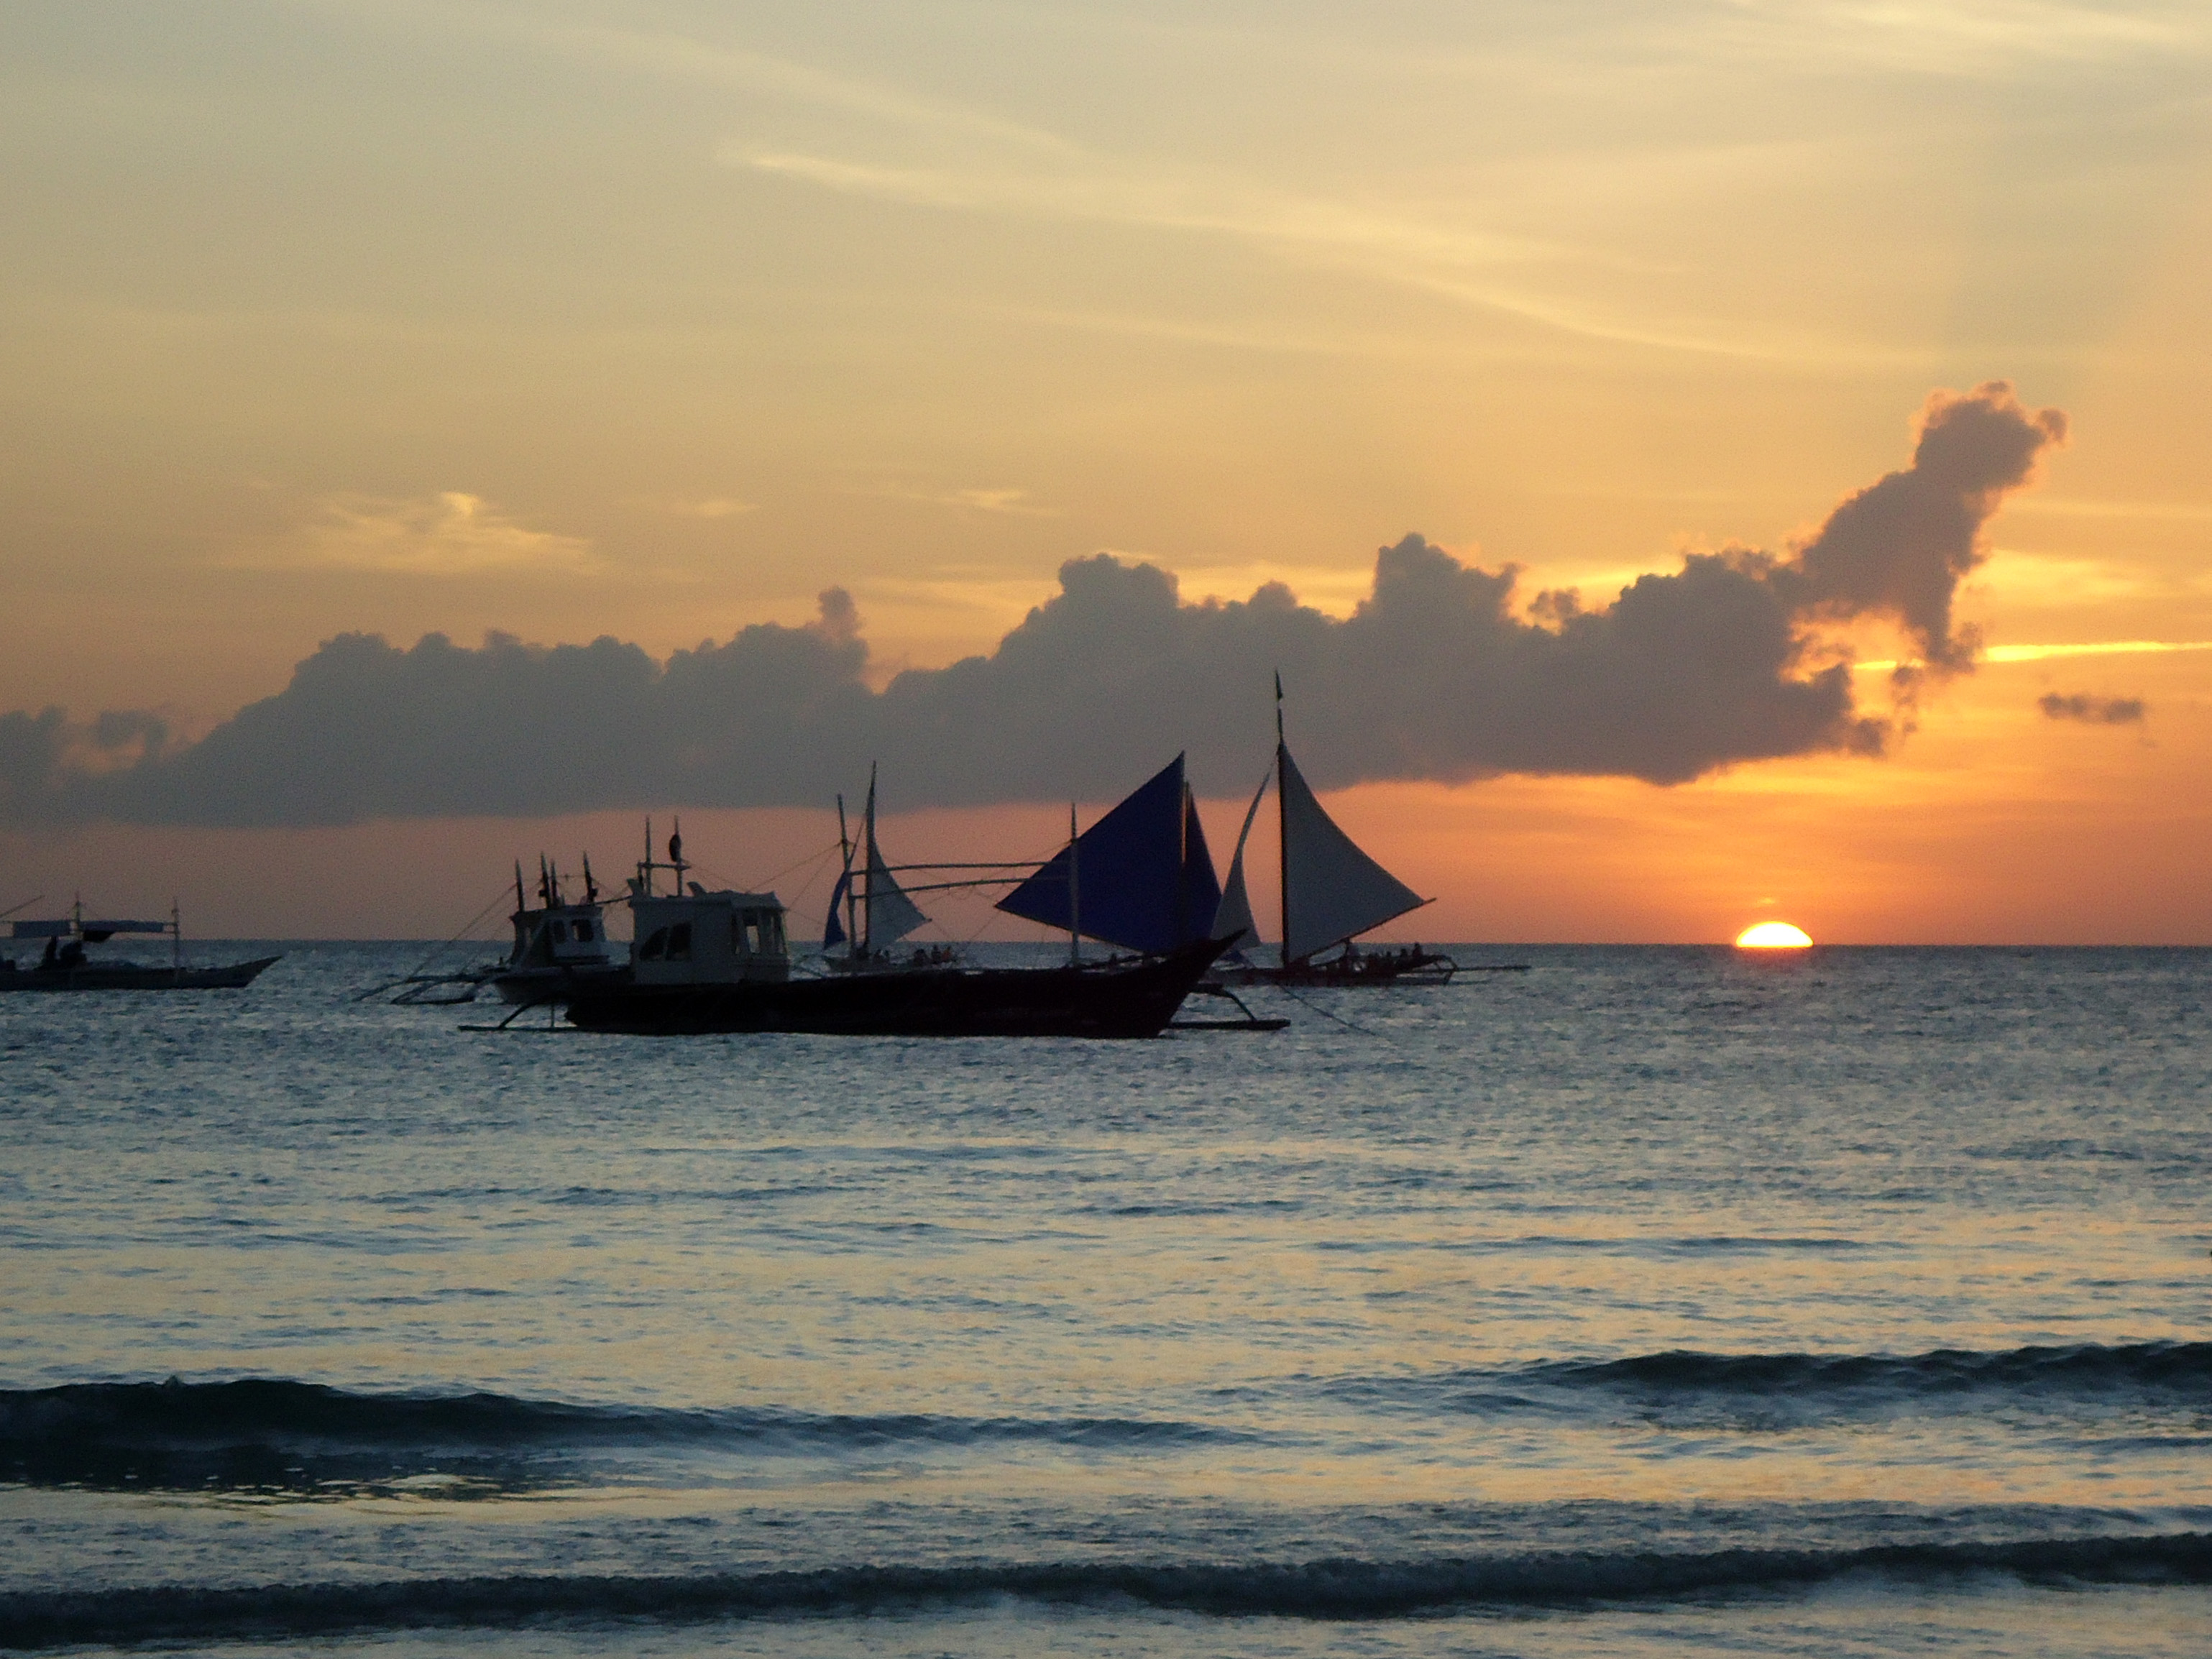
[557, 944]
[1332, 893]
[706, 962]
[558, 947]
[66, 966]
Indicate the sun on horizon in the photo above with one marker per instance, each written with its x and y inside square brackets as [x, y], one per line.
[1772, 936]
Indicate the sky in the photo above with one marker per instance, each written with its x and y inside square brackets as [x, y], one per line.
[1692, 463]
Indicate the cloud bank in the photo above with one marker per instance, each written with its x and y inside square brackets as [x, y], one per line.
[1445, 671]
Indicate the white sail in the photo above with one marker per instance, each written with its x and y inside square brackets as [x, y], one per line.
[1236, 909]
[1333, 890]
[888, 915]
[891, 914]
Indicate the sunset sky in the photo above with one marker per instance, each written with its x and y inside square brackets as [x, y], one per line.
[655, 321]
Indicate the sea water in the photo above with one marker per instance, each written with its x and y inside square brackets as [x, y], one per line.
[1651, 1301]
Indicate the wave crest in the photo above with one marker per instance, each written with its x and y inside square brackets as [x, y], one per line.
[1314, 1590]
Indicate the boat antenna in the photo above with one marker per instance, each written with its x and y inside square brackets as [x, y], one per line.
[676, 854]
[646, 868]
[520, 902]
[545, 882]
[1283, 817]
[591, 887]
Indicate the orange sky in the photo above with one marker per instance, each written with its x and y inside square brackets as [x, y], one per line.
[655, 321]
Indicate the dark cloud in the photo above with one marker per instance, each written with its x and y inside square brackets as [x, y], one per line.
[2095, 711]
[1442, 672]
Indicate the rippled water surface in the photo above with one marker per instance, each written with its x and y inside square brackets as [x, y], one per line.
[1649, 1302]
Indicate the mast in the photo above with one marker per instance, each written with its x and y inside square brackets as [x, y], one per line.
[868, 873]
[645, 869]
[1074, 893]
[1282, 817]
[845, 852]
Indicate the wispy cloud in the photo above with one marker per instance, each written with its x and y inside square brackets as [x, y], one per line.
[452, 533]
[2093, 711]
[2009, 653]
[993, 498]
[712, 506]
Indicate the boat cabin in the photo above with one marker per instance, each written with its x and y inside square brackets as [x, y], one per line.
[707, 939]
[559, 936]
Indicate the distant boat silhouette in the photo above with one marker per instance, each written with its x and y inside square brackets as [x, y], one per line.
[1332, 893]
[66, 965]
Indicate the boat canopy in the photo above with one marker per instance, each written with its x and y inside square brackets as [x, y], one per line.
[1142, 879]
[1333, 890]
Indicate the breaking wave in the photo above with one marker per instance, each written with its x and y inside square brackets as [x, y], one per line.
[279, 1433]
[1340, 1589]
[2159, 1372]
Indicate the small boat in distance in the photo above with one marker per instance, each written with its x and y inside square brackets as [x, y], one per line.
[1332, 893]
[65, 964]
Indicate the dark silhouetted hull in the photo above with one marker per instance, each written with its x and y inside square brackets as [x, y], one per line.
[1107, 999]
[93, 976]
[1377, 970]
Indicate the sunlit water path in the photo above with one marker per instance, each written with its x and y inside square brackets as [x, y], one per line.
[1652, 1301]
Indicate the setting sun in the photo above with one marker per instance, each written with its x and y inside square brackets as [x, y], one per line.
[1773, 936]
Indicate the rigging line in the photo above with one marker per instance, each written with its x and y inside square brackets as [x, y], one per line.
[996, 864]
[766, 881]
[1316, 1008]
[498, 899]
[950, 886]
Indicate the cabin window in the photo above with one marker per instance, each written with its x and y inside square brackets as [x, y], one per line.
[757, 932]
[655, 946]
[679, 942]
[560, 933]
[583, 933]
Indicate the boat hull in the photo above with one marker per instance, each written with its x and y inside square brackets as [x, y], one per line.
[1106, 1000]
[1377, 971]
[92, 976]
[530, 987]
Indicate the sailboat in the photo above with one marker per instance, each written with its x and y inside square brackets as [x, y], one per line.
[869, 918]
[1332, 892]
[703, 962]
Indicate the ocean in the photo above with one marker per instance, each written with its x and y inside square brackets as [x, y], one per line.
[1655, 1301]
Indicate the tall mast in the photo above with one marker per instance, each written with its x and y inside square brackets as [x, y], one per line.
[868, 869]
[646, 868]
[1074, 893]
[1282, 817]
[845, 852]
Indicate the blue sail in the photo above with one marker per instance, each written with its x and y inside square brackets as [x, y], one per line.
[1200, 900]
[833, 930]
[1143, 877]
